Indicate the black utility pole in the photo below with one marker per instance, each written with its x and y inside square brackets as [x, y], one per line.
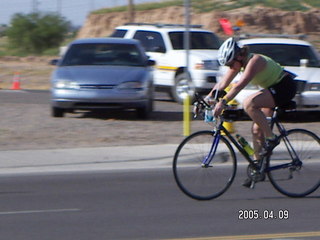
[59, 7]
[130, 10]
[35, 4]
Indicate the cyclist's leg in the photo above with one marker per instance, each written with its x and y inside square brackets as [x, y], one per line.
[253, 105]
[258, 106]
[258, 136]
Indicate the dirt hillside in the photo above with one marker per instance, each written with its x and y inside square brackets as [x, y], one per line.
[34, 72]
[257, 20]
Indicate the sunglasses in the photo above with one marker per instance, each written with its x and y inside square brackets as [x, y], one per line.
[230, 64]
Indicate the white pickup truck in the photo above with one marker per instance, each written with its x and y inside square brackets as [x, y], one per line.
[164, 44]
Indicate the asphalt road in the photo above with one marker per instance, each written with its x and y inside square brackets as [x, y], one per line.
[143, 205]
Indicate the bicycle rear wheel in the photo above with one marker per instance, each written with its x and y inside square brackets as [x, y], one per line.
[204, 182]
[300, 171]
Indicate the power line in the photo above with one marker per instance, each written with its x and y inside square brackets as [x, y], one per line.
[59, 6]
[34, 6]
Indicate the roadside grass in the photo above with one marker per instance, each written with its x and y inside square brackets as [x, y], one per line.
[7, 50]
[221, 5]
[3, 46]
[141, 7]
[33, 71]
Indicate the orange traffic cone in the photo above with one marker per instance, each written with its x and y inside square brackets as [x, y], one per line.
[16, 81]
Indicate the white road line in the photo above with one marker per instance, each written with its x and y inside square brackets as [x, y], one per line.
[40, 211]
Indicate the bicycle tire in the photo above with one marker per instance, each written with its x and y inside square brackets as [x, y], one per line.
[198, 182]
[298, 182]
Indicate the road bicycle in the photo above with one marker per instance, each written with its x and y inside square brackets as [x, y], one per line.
[205, 163]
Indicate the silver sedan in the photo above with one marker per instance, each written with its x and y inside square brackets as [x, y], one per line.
[103, 73]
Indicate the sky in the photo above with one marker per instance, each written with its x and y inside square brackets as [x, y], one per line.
[74, 11]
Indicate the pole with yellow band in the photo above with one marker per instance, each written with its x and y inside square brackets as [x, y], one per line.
[186, 46]
[234, 103]
[186, 115]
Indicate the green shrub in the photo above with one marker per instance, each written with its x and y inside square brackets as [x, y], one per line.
[36, 32]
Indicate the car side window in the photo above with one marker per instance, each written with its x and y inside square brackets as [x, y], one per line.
[199, 40]
[151, 41]
[119, 33]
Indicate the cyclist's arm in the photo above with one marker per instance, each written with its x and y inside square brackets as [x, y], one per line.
[255, 65]
[227, 79]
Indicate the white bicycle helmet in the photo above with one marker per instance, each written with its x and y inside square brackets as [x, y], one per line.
[227, 51]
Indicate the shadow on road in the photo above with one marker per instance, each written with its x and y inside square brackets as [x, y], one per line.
[126, 115]
[171, 116]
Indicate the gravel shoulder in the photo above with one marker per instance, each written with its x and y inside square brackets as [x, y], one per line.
[28, 125]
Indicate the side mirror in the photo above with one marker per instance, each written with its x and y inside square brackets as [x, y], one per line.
[151, 62]
[304, 62]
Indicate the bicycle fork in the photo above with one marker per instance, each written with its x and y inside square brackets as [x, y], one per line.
[207, 160]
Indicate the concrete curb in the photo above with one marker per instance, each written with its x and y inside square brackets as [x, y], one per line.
[86, 159]
[91, 159]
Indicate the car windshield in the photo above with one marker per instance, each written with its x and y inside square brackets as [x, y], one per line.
[103, 54]
[198, 40]
[286, 54]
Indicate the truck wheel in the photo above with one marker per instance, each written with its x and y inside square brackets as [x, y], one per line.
[181, 87]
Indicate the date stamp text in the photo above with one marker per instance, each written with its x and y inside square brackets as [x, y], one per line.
[255, 214]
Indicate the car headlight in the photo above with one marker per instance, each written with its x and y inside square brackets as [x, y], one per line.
[132, 85]
[64, 84]
[313, 87]
[207, 65]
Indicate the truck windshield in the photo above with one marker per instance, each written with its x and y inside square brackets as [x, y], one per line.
[198, 40]
[286, 54]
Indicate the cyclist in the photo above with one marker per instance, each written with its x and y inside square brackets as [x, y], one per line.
[278, 88]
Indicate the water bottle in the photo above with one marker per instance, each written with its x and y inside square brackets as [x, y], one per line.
[246, 146]
[208, 116]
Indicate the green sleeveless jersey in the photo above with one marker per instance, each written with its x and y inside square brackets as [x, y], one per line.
[270, 75]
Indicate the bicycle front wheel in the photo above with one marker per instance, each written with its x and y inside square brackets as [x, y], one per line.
[199, 181]
[294, 166]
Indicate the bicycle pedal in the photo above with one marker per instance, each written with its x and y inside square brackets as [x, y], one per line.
[205, 165]
[249, 183]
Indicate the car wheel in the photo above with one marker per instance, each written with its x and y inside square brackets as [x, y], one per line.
[181, 87]
[144, 112]
[57, 112]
